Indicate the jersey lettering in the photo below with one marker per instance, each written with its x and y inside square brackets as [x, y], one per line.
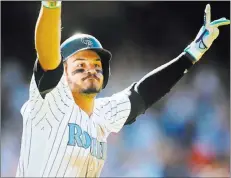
[84, 140]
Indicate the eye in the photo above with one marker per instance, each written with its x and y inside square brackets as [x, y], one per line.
[80, 65]
[97, 65]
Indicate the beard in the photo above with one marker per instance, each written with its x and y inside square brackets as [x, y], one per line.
[90, 89]
[87, 88]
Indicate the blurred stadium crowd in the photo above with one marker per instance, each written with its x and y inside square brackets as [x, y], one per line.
[185, 134]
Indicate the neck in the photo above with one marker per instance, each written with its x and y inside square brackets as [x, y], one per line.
[85, 102]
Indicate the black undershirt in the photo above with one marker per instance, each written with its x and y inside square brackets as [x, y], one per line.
[142, 94]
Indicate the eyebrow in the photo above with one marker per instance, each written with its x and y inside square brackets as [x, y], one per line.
[81, 59]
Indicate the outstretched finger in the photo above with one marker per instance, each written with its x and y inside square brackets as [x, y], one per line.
[207, 16]
[220, 22]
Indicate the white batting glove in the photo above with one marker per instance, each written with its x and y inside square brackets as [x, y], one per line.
[207, 34]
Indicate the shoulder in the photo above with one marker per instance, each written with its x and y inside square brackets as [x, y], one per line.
[102, 103]
[112, 102]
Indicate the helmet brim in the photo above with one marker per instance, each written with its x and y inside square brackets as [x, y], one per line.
[103, 53]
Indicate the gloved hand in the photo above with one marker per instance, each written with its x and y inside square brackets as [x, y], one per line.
[51, 3]
[207, 34]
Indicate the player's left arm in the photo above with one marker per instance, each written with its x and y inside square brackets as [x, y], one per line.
[159, 82]
[124, 107]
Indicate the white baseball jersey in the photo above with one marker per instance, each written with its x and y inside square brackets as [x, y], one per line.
[61, 140]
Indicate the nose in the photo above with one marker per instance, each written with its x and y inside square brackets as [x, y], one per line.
[91, 70]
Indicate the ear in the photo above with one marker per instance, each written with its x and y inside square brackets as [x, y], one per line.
[65, 69]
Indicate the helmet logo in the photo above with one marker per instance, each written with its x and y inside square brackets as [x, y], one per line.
[87, 41]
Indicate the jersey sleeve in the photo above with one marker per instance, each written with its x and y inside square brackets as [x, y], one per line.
[114, 112]
[35, 103]
[46, 81]
[48, 91]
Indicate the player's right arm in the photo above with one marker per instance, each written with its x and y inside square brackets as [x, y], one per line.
[48, 35]
[48, 67]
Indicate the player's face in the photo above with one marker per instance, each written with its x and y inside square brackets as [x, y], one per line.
[84, 72]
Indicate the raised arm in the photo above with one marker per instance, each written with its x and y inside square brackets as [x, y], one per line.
[48, 35]
[160, 81]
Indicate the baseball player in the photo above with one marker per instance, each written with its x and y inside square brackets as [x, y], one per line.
[65, 128]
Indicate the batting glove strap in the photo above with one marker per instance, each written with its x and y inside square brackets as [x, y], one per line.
[207, 34]
[51, 4]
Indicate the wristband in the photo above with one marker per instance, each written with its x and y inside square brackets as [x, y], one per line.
[51, 4]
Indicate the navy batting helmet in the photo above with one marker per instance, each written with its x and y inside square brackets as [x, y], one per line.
[80, 42]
